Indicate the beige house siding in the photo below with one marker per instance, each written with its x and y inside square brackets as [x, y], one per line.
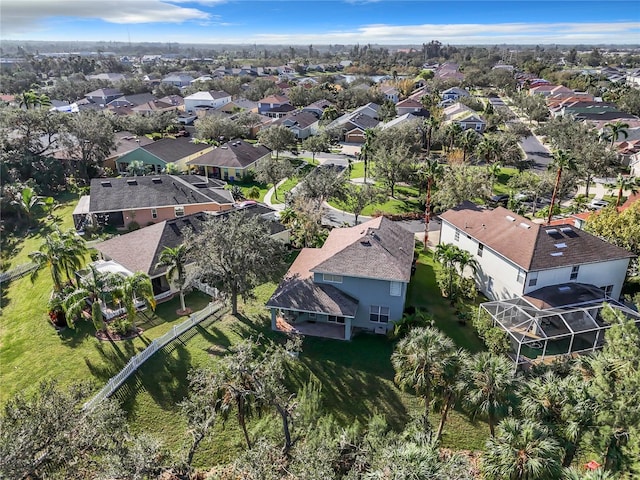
[144, 216]
[182, 163]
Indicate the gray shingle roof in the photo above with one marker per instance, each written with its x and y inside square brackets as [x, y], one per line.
[174, 149]
[116, 194]
[304, 295]
[234, 154]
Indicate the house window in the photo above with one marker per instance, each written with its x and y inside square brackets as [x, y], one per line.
[154, 213]
[312, 315]
[533, 279]
[574, 272]
[480, 249]
[607, 289]
[335, 319]
[329, 278]
[521, 275]
[456, 236]
[238, 173]
[179, 211]
[378, 314]
[395, 289]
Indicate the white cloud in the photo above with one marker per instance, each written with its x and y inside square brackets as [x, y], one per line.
[20, 16]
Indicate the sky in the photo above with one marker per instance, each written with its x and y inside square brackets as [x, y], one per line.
[305, 22]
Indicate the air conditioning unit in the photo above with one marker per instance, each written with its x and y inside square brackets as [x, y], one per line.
[382, 330]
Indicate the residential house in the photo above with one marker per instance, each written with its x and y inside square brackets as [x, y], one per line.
[390, 93]
[231, 161]
[402, 120]
[454, 93]
[103, 96]
[210, 99]
[110, 77]
[240, 104]
[370, 109]
[357, 280]
[516, 256]
[318, 107]
[140, 250]
[353, 126]
[449, 71]
[409, 105]
[155, 106]
[633, 78]
[464, 116]
[269, 106]
[125, 142]
[156, 155]
[132, 100]
[151, 199]
[302, 124]
[179, 80]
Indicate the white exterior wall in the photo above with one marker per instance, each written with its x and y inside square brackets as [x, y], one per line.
[191, 104]
[497, 276]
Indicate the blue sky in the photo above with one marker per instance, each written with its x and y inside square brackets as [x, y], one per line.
[324, 22]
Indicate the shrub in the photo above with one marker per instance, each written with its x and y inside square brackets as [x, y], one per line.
[494, 337]
[133, 225]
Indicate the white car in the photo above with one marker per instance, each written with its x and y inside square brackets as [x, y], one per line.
[598, 204]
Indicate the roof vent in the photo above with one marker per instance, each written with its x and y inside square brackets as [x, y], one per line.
[105, 183]
[156, 180]
[556, 254]
[510, 218]
[365, 243]
[564, 289]
[132, 181]
[524, 225]
[553, 233]
[561, 245]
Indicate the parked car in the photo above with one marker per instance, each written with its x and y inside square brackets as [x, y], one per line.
[523, 197]
[499, 200]
[598, 204]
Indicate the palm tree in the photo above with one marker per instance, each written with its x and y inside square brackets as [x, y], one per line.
[490, 386]
[616, 129]
[562, 160]
[463, 260]
[408, 322]
[132, 289]
[26, 203]
[62, 252]
[468, 142]
[430, 172]
[136, 167]
[452, 132]
[329, 114]
[430, 126]
[253, 193]
[522, 450]
[367, 149]
[171, 169]
[625, 183]
[488, 149]
[176, 260]
[417, 361]
[494, 170]
[92, 289]
[448, 390]
[446, 254]
[30, 99]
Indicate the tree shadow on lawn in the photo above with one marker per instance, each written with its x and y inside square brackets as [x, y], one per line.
[76, 337]
[115, 356]
[163, 377]
[356, 377]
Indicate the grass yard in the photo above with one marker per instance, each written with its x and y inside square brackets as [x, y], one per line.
[500, 186]
[290, 183]
[406, 201]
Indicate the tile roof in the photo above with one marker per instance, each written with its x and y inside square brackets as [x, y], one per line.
[276, 99]
[530, 245]
[235, 154]
[116, 194]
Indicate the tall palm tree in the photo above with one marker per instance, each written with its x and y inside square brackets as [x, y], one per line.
[625, 183]
[490, 387]
[468, 141]
[92, 289]
[133, 289]
[446, 254]
[63, 253]
[430, 126]
[176, 260]
[522, 450]
[367, 149]
[452, 132]
[417, 361]
[494, 170]
[562, 160]
[616, 129]
[31, 99]
[447, 390]
[430, 171]
[488, 149]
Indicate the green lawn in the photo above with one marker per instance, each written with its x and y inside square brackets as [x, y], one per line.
[406, 201]
[500, 186]
[291, 182]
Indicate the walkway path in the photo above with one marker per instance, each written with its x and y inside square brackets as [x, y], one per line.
[267, 198]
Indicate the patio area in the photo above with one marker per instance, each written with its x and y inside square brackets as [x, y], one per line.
[325, 330]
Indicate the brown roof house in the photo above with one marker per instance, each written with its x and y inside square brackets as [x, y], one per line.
[150, 199]
[357, 280]
[232, 160]
[155, 155]
[516, 256]
[140, 250]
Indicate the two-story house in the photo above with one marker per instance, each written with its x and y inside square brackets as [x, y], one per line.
[516, 256]
[102, 96]
[151, 199]
[272, 104]
[464, 116]
[302, 124]
[210, 99]
[357, 280]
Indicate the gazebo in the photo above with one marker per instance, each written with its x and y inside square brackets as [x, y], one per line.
[554, 321]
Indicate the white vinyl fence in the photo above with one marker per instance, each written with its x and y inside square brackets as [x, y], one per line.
[114, 383]
[19, 271]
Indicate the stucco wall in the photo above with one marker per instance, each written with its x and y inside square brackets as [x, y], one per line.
[144, 216]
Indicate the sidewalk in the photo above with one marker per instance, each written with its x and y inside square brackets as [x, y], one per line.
[269, 194]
